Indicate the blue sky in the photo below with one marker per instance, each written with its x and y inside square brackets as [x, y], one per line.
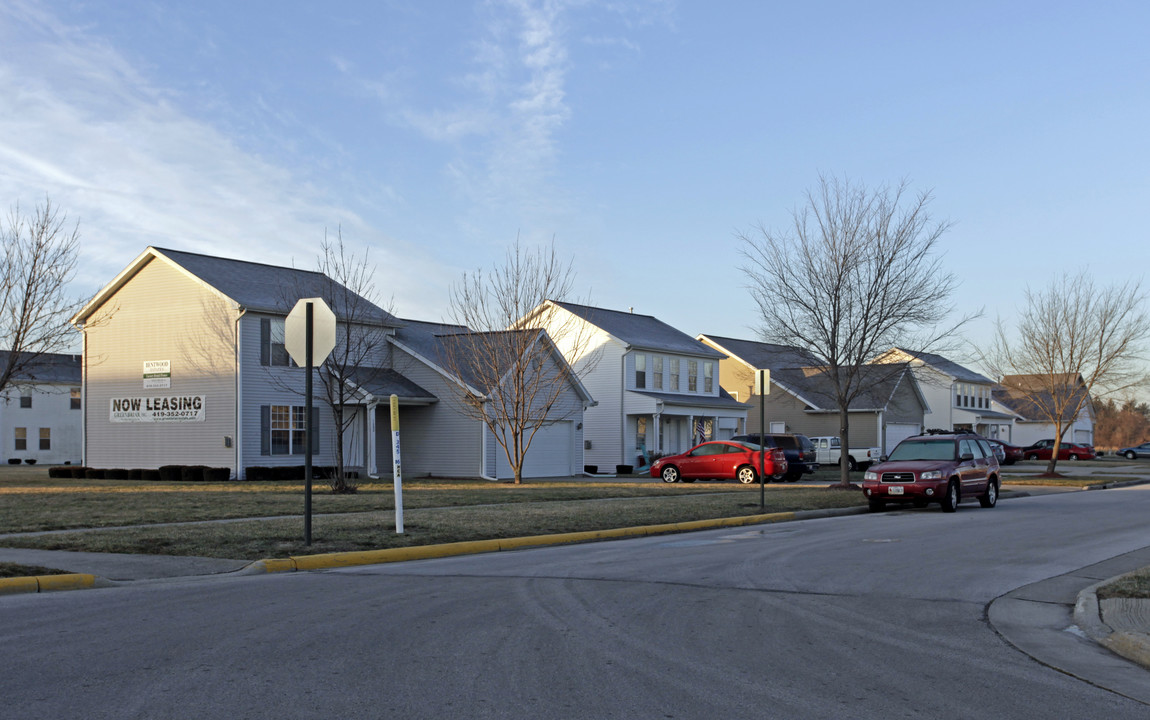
[640, 136]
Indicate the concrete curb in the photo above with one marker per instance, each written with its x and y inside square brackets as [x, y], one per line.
[1088, 616]
[51, 583]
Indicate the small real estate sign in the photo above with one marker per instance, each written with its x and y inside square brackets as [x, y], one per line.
[157, 374]
[178, 408]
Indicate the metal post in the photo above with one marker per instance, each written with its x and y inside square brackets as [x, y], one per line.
[308, 429]
[762, 445]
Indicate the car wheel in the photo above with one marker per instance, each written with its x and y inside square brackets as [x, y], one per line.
[1130, 455]
[746, 475]
[876, 505]
[1030, 456]
[990, 498]
[671, 474]
[852, 465]
[793, 477]
[1073, 457]
[950, 499]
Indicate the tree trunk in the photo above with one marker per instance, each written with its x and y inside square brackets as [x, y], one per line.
[844, 453]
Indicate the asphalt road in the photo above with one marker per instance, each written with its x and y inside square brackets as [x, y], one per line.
[870, 616]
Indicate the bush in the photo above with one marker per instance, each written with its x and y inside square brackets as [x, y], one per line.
[170, 473]
[94, 473]
[258, 473]
[135, 474]
[30, 461]
[192, 473]
[115, 474]
[79, 472]
[13, 461]
[59, 471]
[217, 474]
[592, 469]
[148, 474]
[624, 469]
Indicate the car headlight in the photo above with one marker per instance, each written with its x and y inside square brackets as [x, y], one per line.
[931, 475]
[870, 475]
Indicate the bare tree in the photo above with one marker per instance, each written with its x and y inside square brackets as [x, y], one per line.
[513, 376]
[855, 275]
[40, 254]
[1073, 341]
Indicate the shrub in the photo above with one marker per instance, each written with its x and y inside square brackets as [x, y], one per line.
[13, 461]
[30, 461]
[135, 474]
[289, 472]
[94, 473]
[170, 473]
[217, 474]
[79, 471]
[192, 473]
[59, 471]
[258, 473]
[148, 474]
[624, 469]
[115, 474]
[592, 469]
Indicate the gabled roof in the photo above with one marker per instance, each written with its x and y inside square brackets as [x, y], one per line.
[723, 402]
[1025, 396]
[946, 367]
[642, 332]
[253, 286]
[813, 387]
[760, 355]
[382, 383]
[45, 367]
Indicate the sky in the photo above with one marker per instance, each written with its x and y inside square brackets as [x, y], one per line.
[638, 137]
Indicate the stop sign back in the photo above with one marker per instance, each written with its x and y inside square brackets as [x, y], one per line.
[322, 331]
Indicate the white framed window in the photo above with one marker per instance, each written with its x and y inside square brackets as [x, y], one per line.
[45, 438]
[284, 430]
[272, 350]
[674, 363]
[21, 438]
[708, 377]
[25, 401]
[75, 399]
[692, 376]
[657, 372]
[640, 372]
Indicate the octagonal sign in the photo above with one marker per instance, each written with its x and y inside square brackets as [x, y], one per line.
[322, 332]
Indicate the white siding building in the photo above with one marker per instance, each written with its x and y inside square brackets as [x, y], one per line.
[40, 410]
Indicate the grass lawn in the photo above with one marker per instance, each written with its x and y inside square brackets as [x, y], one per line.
[435, 511]
[1133, 585]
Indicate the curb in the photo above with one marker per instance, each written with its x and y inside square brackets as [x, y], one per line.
[324, 561]
[1088, 617]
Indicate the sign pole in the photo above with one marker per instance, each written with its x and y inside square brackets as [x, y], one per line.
[762, 444]
[308, 430]
[396, 471]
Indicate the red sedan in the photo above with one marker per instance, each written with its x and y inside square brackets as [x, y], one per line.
[1043, 449]
[721, 460]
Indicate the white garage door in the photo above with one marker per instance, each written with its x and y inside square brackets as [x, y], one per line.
[897, 432]
[548, 456]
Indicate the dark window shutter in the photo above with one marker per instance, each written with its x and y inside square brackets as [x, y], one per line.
[265, 341]
[265, 430]
[315, 430]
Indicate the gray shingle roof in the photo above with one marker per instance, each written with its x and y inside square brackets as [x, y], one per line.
[723, 402]
[814, 387]
[48, 367]
[764, 355]
[275, 289]
[956, 371]
[641, 331]
[441, 343]
[382, 382]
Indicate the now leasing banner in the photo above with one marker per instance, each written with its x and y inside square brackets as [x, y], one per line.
[178, 408]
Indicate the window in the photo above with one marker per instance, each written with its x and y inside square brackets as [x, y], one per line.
[640, 372]
[284, 432]
[272, 350]
[45, 438]
[25, 401]
[708, 377]
[692, 376]
[657, 372]
[75, 398]
[21, 438]
[641, 433]
[674, 374]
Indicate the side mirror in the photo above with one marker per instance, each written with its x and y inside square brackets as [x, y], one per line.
[882, 458]
[966, 457]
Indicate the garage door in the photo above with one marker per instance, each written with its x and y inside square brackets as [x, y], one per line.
[548, 456]
[897, 432]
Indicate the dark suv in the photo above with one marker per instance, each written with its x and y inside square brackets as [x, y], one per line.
[935, 468]
[798, 448]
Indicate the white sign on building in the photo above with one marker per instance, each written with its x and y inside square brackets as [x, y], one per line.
[157, 374]
[181, 408]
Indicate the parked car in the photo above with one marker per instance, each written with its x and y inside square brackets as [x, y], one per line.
[1043, 449]
[798, 448]
[935, 468]
[1138, 451]
[721, 460]
[1007, 454]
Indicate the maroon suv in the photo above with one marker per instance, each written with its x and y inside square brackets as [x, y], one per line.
[935, 468]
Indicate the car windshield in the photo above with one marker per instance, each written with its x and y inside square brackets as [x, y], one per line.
[923, 450]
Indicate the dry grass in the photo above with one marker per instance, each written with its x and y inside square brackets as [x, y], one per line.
[1133, 585]
[435, 511]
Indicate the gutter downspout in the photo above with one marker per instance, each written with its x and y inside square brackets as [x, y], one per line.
[239, 406]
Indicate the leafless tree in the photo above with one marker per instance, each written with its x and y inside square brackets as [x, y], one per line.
[40, 253]
[854, 275]
[514, 378]
[1072, 342]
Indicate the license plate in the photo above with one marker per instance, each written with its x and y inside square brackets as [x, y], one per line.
[895, 490]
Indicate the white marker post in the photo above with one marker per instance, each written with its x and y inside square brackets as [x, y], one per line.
[395, 468]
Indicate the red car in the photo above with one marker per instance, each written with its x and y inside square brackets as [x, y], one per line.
[721, 460]
[1010, 453]
[1043, 449]
[942, 468]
